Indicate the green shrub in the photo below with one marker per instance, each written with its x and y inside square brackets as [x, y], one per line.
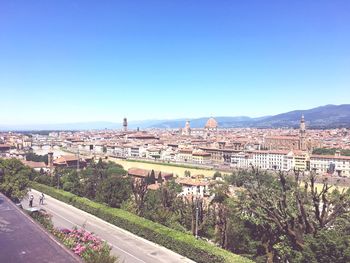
[182, 243]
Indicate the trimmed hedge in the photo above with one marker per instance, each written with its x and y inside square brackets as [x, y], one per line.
[182, 243]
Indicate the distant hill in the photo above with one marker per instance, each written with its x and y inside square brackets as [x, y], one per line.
[329, 116]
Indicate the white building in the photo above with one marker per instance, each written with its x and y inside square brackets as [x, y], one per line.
[333, 165]
[184, 155]
[267, 160]
[241, 160]
[194, 187]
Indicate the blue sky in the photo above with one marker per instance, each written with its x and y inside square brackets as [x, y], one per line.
[68, 61]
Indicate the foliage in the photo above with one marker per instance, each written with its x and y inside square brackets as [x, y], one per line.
[114, 191]
[268, 217]
[83, 243]
[151, 179]
[139, 189]
[45, 179]
[43, 218]
[185, 244]
[217, 175]
[86, 245]
[37, 158]
[328, 245]
[187, 173]
[287, 213]
[161, 206]
[14, 178]
[330, 151]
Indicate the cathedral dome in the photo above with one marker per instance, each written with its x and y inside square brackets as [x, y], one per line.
[211, 124]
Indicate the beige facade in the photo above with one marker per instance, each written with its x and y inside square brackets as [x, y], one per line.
[201, 158]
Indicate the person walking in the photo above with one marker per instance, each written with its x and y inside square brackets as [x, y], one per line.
[41, 199]
[31, 198]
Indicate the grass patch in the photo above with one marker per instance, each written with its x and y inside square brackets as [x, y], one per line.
[164, 167]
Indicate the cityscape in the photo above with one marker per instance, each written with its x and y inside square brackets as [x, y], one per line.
[174, 132]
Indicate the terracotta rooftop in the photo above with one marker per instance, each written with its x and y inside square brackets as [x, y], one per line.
[33, 165]
[192, 182]
[282, 137]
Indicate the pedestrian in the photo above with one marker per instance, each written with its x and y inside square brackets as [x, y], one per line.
[31, 198]
[41, 200]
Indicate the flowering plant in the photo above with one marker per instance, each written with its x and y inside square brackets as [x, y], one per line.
[83, 243]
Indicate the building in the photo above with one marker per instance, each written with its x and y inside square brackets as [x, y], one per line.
[271, 160]
[302, 134]
[301, 160]
[184, 155]
[211, 127]
[219, 155]
[69, 161]
[4, 149]
[242, 160]
[187, 130]
[282, 142]
[201, 157]
[37, 166]
[194, 187]
[288, 142]
[125, 124]
[330, 164]
[153, 153]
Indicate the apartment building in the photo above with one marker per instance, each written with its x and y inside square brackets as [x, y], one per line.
[331, 164]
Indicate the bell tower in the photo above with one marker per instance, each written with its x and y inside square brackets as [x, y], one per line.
[302, 133]
[125, 124]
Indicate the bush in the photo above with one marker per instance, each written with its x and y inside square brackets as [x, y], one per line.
[83, 243]
[182, 243]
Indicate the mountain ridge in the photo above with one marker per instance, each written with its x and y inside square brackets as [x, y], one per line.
[327, 116]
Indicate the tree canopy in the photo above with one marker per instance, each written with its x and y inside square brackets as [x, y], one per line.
[14, 178]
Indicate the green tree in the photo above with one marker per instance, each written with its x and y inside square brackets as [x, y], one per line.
[114, 191]
[14, 178]
[187, 173]
[216, 175]
[327, 246]
[37, 158]
[139, 189]
[160, 178]
[152, 178]
[220, 191]
[290, 208]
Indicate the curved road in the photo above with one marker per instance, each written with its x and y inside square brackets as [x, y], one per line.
[127, 246]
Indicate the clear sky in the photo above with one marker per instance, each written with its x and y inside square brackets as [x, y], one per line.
[68, 61]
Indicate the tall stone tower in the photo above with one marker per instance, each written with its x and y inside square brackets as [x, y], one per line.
[50, 159]
[302, 133]
[125, 124]
[187, 130]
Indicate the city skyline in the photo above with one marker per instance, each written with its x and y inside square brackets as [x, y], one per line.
[82, 61]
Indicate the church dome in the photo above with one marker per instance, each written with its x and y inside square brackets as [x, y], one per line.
[211, 124]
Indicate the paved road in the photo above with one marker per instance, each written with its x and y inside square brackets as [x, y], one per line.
[127, 246]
